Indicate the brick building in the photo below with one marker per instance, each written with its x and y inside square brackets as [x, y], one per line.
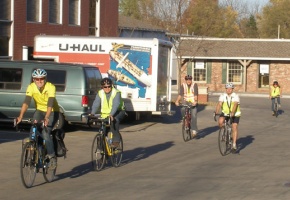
[21, 20]
[251, 64]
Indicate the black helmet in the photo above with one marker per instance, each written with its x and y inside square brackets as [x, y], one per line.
[188, 77]
[106, 81]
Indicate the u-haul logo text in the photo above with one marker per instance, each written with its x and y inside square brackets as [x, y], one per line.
[81, 47]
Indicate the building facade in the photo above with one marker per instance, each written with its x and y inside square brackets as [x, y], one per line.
[251, 64]
[21, 20]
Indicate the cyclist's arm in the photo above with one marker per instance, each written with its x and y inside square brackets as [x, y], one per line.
[116, 103]
[179, 96]
[96, 104]
[234, 109]
[218, 107]
[280, 91]
[24, 108]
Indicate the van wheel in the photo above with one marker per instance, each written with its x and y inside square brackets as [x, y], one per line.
[60, 122]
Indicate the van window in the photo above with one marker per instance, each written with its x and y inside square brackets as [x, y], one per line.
[10, 79]
[56, 77]
[94, 78]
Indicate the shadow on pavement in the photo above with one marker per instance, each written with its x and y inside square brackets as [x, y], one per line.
[206, 131]
[142, 153]
[244, 141]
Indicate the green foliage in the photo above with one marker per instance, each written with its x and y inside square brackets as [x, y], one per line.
[275, 20]
[130, 8]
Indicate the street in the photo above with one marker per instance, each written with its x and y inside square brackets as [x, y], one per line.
[158, 164]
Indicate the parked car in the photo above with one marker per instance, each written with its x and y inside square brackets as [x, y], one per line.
[76, 88]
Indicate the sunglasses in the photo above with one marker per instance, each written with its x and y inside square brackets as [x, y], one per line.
[107, 86]
[188, 79]
[38, 79]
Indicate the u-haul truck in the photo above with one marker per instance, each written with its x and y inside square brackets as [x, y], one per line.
[141, 68]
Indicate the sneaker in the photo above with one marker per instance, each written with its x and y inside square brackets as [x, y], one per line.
[279, 105]
[234, 147]
[193, 133]
[115, 144]
[273, 113]
[52, 163]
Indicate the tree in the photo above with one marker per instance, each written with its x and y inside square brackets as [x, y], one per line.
[248, 27]
[275, 20]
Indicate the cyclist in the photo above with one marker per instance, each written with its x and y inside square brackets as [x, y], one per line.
[229, 104]
[189, 92]
[110, 103]
[47, 108]
[275, 92]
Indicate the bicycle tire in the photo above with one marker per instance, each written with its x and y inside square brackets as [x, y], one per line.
[28, 164]
[223, 141]
[276, 109]
[117, 153]
[98, 153]
[185, 131]
[48, 172]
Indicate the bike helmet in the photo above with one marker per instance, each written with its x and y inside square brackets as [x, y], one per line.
[229, 85]
[275, 82]
[188, 77]
[39, 73]
[106, 81]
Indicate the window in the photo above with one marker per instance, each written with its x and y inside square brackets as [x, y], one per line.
[263, 75]
[33, 11]
[74, 12]
[199, 71]
[10, 79]
[234, 72]
[55, 11]
[5, 10]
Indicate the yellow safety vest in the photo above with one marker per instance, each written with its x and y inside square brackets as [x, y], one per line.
[188, 95]
[108, 105]
[275, 91]
[227, 108]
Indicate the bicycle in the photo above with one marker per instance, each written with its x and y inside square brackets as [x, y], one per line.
[276, 107]
[186, 123]
[102, 148]
[225, 140]
[34, 157]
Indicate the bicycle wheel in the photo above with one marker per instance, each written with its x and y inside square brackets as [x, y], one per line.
[117, 154]
[223, 141]
[28, 164]
[185, 131]
[98, 153]
[48, 171]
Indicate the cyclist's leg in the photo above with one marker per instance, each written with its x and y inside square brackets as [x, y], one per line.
[235, 130]
[273, 102]
[278, 101]
[221, 120]
[182, 110]
[193, 123]
[115, 125]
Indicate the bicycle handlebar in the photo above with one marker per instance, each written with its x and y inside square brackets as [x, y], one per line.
[97, 118]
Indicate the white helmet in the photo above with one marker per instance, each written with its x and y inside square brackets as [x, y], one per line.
[39, 73]
[229, 85]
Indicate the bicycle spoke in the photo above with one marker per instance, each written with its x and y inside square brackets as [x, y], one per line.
[98, 153]
[28, 165]
[117, 154]
[222, 141]
[185, 132]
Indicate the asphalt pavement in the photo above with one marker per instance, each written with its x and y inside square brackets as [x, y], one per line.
[158, 164]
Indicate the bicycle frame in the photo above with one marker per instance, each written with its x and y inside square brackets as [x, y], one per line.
[225, 136]
[101, 149]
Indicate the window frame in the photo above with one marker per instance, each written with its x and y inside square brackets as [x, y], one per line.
[232, 80]
[12, 81]
[74, 20]
[57, 19]
[196, 77]
[38, 11]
